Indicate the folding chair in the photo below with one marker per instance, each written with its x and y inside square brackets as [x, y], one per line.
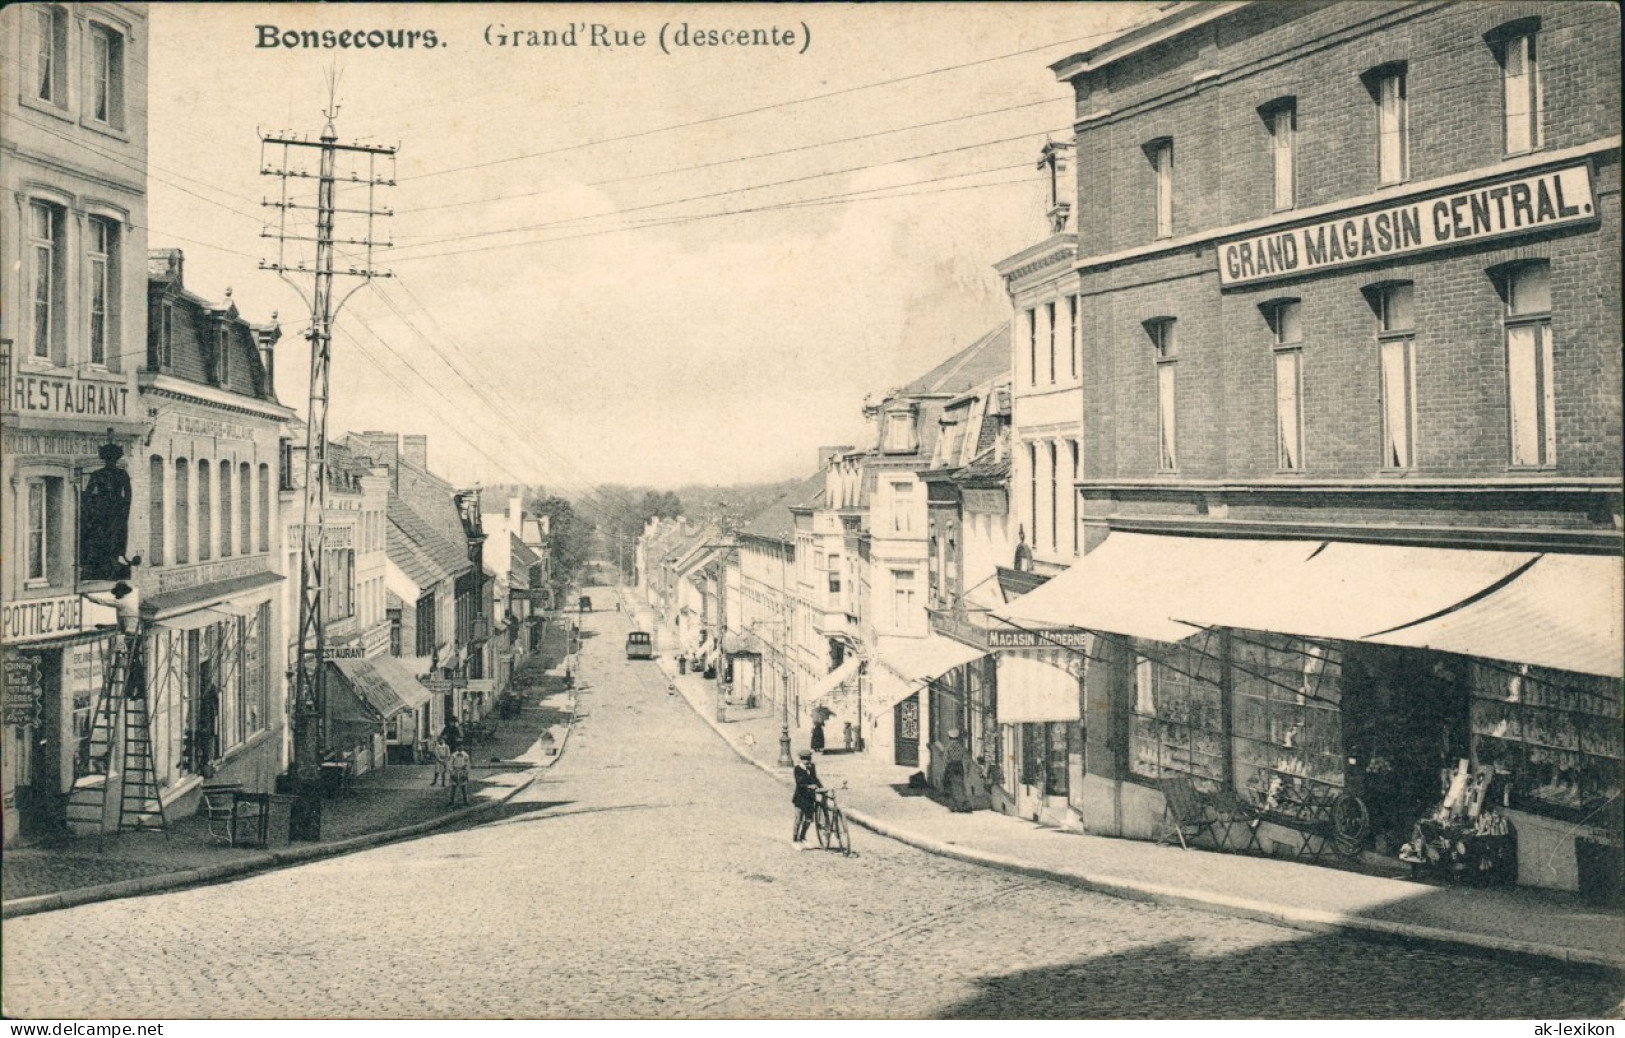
[1184, 814]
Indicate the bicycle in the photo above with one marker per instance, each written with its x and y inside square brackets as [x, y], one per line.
[830, 822]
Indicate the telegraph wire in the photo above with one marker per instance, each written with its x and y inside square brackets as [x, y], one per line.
[777, 105]
[735, 191]
[696, 218]
[745, 158]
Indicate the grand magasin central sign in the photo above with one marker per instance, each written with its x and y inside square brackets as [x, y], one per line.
[1513, 205]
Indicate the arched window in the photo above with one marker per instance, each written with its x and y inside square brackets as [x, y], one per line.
[265, 507]
[226, 530]
[205, 515]
[183, 512]
[245, 510]
[155, 512]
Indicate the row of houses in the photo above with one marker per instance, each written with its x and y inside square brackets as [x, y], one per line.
[1295, 473]
[143, 443]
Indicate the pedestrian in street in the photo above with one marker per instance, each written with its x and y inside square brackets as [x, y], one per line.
[818, 736]
[459, 777]
[805, 797]
[452, 734]
[442, 764]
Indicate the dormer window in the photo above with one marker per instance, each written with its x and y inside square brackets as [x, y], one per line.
[898, 435]
[222, 355]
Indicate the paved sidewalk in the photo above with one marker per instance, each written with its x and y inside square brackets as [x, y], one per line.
[387, 804]
[1517, 921]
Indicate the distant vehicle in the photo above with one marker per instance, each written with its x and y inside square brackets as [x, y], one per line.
[585, 604]
[639, 646]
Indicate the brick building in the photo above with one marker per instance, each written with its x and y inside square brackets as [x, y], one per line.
[1350, 325]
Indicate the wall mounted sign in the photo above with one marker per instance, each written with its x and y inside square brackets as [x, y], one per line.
[1044, 638]
[1512, 205]
[22, 694]
[68, 395]
[34, 619]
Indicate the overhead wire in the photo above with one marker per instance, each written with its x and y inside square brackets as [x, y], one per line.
[731, 191]
[776, 105]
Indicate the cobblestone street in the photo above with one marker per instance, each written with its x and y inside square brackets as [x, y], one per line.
[651, 874]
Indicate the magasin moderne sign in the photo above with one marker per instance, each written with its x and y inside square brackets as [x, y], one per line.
[1514, 205]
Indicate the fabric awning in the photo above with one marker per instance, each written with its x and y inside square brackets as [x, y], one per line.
[1563, 612]
[1032, 690]
[886, 690]
[918, 660]
[1144, 585]
[383, 684]
[1350, 592]
[833, 680]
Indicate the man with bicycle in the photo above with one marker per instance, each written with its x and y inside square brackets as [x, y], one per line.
[805, 798]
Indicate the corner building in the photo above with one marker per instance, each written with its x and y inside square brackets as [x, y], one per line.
[1350, 283]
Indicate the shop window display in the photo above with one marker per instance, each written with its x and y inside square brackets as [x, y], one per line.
[1555, 733]
[1287, 716]
[1177, 726]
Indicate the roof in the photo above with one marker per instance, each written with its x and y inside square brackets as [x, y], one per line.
[419, 550]
[775, 522]
[523, 557]
[986, 358]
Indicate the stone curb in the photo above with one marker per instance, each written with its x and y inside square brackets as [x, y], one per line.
[271, 859]
[1206, 901]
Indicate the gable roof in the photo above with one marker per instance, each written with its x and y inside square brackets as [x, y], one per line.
[775, 522]
[986, 358]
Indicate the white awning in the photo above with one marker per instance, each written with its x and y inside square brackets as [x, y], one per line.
[1563, 612]
[833, 680]
[1032, 689]
[1352, 591]
[917, 660]
[886, 690]
[1144, 585]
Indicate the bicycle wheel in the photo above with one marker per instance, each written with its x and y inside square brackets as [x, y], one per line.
[1350, 824]
[841, 836]
[823, 823]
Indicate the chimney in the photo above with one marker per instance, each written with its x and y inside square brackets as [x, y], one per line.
[385, 451]
[267, 340]
[515, 513]
[415, 450]
[827, 455]
[1062, 183]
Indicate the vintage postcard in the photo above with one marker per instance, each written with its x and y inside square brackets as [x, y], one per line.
[802, 512]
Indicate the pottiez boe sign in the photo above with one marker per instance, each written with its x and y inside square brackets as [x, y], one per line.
[1516, 205]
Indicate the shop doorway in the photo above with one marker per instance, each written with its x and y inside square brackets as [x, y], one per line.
[41, 806]
[906, 718]
[1405, 721]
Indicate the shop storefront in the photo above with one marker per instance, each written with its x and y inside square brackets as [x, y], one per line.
[51, 688]
[1417, 721]
[212, 693]
[377, 712]
[1040, 694]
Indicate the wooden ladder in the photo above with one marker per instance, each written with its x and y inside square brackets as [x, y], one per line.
[123, 698]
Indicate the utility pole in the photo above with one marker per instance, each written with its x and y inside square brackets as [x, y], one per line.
[309, 672]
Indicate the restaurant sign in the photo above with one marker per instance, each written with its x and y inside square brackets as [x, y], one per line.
[67, 395]
[1513, 205]
[1039, 638]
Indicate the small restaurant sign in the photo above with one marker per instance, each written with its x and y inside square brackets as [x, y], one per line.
[1513, 205]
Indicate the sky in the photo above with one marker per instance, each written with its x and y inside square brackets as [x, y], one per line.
[617, 264]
